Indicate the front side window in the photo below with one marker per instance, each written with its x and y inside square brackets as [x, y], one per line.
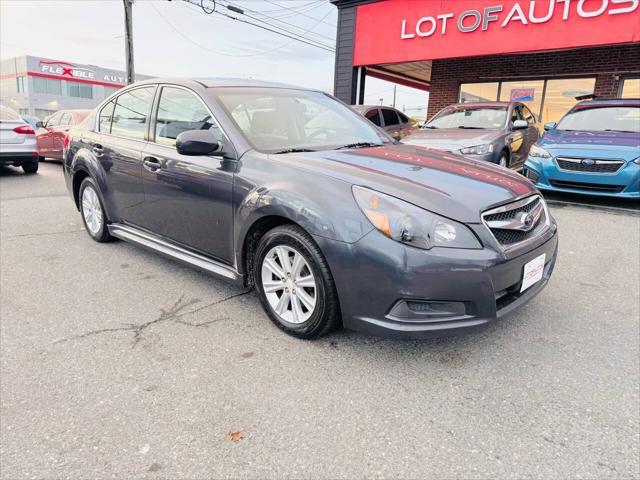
[278, 119]
[105, 117]
[374, 116]
[79, 90]
[54, 120]
[481, 117]
[528, 116]
[66, 119]
[179, 111]
[602, 119]
[131, 112]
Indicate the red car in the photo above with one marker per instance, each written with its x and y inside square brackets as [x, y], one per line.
[50, 134]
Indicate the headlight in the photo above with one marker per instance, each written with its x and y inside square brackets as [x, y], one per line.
[411, 225]
[477, 150]
[637, 161]
[538, 152]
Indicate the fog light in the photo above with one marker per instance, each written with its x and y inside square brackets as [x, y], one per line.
[421, 310]
[532, 175]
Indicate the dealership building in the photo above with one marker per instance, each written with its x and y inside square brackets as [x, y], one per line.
[41, 86]
[544, 53]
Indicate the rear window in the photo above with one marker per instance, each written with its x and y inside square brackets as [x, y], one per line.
[8, 114]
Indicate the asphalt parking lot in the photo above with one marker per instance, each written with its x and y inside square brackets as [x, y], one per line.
[118, 363]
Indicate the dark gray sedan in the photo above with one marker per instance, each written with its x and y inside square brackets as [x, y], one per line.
[496, 132]
[290, 191]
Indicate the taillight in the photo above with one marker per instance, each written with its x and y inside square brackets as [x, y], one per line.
[24, 130]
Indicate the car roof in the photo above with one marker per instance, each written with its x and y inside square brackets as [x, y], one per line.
[607, 102]
[223, 82]
[482, 104]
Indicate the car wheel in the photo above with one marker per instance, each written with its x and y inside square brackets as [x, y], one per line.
[30, 166]
[41, 158]
[93, 212]
[504, 160]
[295, 284]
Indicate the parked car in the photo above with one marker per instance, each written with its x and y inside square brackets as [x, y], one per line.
[51, 132]
[17, 141]
[392, 121]
[495, 132]
[594, 149]
[292, 192]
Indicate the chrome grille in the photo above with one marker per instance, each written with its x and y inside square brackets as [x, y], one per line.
[517, 222]
[589, 165]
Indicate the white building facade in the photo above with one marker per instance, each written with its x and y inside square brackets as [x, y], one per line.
[38, 86]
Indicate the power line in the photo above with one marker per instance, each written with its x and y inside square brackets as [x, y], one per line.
[299, 13]
[281, 31]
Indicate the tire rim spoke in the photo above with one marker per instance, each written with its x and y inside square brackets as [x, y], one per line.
[307, 301]
[91, 210]
[306, 282]
[270, 287]
[296, 310]
[273, 267]
[283, 304]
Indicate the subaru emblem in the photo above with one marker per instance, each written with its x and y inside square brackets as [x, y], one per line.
[588, 161]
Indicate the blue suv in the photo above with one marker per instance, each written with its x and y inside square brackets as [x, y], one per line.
[594, 149]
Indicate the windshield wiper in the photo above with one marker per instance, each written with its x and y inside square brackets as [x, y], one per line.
[471, 128]
[621, 131]
[359, 145]
[294, 150]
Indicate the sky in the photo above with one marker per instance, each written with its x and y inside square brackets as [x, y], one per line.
[175, 38]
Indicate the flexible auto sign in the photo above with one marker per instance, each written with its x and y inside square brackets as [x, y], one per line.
[409, 30]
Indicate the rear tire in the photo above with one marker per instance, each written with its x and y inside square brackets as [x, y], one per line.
[294, 283]
[92, 211]
[30, 166]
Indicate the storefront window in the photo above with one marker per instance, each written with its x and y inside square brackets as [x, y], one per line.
[79, 90]
[561, 96]
[630, 88]
[478, 92]
[528, 92]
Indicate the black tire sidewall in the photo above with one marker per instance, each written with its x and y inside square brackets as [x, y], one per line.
[290, 237]
[103, 234]
[30, 167]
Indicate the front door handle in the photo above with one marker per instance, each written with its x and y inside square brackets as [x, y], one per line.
[151, 163]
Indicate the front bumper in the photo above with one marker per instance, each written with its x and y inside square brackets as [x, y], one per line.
[546, 175]
[375, 275]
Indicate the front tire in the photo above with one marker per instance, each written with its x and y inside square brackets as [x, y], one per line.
[294, 283]
[92, 211]
[504, 160]
[30, 166]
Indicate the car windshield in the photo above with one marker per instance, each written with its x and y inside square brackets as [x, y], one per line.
[602, 119]
[279, 120]
[473, 117]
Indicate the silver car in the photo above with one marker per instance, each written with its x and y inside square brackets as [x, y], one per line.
[17, 141]
[496, 132]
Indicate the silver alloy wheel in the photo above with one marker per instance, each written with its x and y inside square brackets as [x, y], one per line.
[91, 210]
[503, 161]
[289, 284]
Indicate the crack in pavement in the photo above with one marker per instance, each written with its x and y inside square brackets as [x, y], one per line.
[174, 314]
[55, 195]
[43, 234]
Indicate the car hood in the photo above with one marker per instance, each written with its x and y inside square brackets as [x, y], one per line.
[443, 183]
[603, 144]
[450, 139]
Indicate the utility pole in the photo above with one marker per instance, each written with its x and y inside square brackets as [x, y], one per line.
[394, 96]
[128, 30]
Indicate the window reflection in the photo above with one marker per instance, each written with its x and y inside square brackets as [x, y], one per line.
[630, 88]
[561, 96]
[528, 92]
[479, 92]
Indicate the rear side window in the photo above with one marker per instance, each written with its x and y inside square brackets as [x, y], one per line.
[403, 117]
[105, 117]
[131, 113]
[179, 111]
[374, 116]
[390, 117]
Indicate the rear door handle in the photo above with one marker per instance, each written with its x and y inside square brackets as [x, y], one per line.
[151, 163]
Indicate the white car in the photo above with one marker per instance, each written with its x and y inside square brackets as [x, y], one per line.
[17, 141]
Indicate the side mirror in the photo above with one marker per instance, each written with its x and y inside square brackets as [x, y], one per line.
[198, 142]
[549, 126]
[520, 125]
[39, 124]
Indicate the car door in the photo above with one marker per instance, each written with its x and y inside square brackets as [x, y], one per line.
[57, 135]
[123, 124]
[188, 199]
[515, 138]
[532, 133]
[44, 137]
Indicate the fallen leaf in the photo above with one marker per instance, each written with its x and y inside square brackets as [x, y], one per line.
[235, 436]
